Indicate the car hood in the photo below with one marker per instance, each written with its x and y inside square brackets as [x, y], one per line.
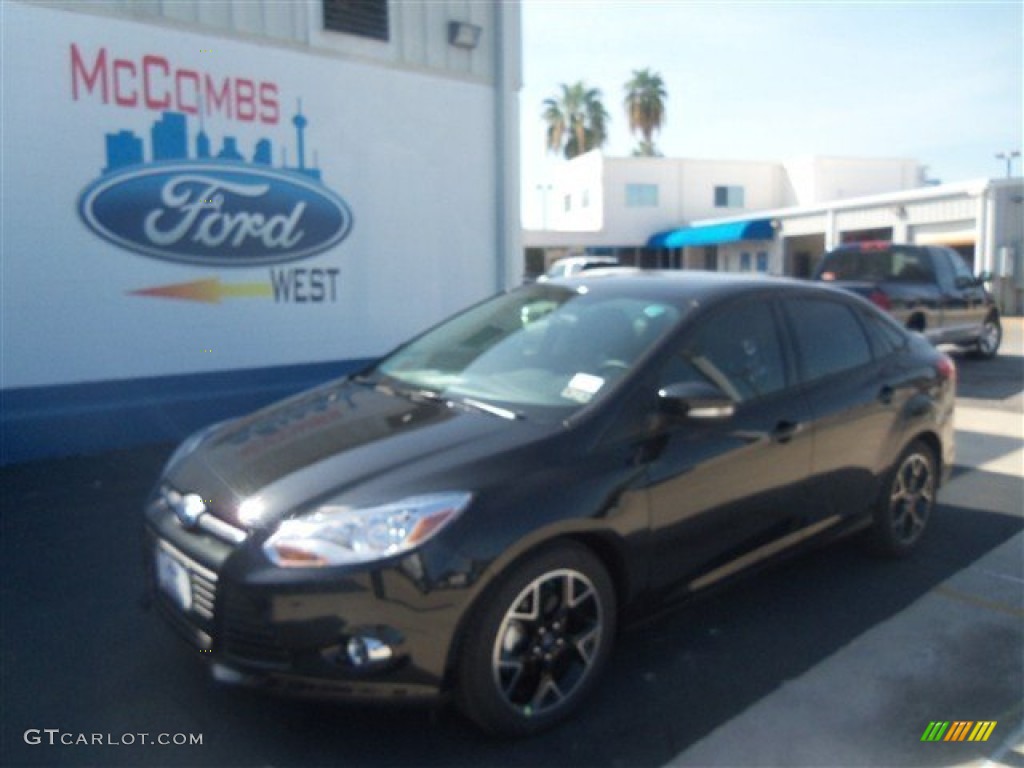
[347, 438]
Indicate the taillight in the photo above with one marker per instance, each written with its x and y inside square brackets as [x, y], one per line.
[880, 299]
[946, 368]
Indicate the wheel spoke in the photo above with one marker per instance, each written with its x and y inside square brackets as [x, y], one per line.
[586, 644]
[547, 688]
[528, 606]
[585, 592]
[514, 671]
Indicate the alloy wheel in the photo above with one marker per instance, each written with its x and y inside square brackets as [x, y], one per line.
[912, 498]
[548, 641]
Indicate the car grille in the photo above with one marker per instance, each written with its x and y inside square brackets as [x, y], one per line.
[204, 594]
[202, 581]
[197, 622]
[247, 635]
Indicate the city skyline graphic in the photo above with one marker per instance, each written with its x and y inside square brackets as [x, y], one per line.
[169, 140]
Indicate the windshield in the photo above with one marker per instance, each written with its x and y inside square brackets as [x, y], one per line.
[543, 351]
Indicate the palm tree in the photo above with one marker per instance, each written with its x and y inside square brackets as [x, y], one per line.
[645, 108]
[577, 121]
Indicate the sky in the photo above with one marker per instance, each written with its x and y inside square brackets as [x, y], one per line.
[937, 82]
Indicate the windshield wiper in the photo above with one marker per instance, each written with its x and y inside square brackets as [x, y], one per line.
[494, 410]
[394, 387]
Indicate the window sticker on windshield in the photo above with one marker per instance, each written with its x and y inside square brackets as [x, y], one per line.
[582, 387]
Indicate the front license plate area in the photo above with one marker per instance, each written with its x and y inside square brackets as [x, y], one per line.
[172, 579]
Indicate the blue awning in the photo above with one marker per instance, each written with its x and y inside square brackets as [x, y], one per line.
[712, 234]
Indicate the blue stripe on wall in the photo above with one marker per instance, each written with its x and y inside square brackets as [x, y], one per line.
[76, 419]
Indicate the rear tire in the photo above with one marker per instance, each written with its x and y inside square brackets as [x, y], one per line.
[907, 501]
[538, 642]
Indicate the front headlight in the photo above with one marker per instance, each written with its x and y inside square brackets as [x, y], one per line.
[337, 535]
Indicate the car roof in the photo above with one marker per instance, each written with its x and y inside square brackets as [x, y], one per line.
[686, 286]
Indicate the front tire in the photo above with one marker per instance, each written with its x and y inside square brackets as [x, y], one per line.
[907, 501]
[538, 643]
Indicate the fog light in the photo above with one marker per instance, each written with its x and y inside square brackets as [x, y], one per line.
[224, 674]
[366, 649]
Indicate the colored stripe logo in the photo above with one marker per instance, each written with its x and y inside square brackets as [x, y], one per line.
[958, 730]
[209, 291]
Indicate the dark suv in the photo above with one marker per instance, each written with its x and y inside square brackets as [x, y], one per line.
[926, 288]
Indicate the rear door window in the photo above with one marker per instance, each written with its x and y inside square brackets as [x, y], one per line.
[828, 336]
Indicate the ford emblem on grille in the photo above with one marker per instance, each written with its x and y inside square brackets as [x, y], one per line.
[188, 508]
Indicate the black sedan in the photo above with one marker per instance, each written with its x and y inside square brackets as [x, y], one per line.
[477, 513]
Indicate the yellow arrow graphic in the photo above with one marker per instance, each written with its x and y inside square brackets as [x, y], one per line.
[208, 291]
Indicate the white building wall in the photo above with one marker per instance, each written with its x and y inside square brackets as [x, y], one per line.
[417, 39]
[950, 209]
[760, 182]
[807, 224]
[867, 218]
[576, 201]
[634, 224]
[595, 188]
[839, 178]
[432, 191]
[816, 179]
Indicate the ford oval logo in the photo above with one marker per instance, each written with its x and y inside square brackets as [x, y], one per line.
[215, 213]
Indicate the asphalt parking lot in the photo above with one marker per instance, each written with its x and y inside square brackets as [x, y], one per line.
[835, 658]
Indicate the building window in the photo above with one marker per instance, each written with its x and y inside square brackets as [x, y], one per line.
[567, 203]
[366, 18]
[728, 197]
[762, 261]
[745, 261]
[641, 195]
[585, 203]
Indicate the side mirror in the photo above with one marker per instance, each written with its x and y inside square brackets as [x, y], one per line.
[984, 277]
[695, 400]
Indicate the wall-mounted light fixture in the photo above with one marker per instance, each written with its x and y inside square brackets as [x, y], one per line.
[462, 34]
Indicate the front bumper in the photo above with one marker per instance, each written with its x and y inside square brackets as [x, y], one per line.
[289, 630]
